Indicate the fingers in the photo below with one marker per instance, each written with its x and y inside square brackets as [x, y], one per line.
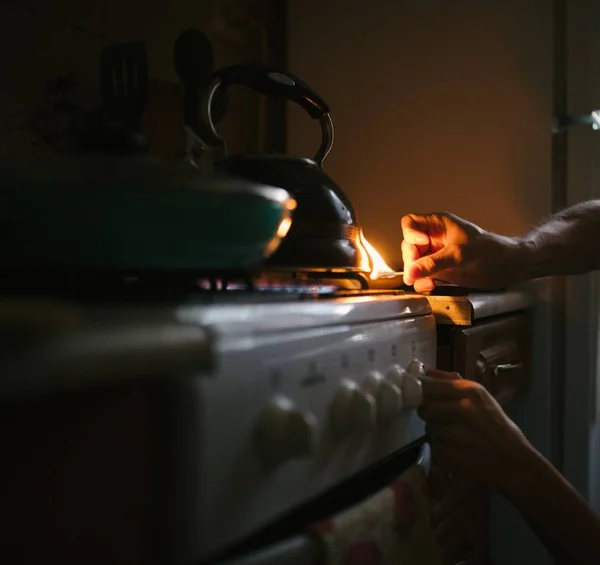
[418, 266]
[431, 265]
[440, 411]
[422, 235]
[425, 285]
[443, 432]
[446, 388]
[410, 254]
[415, 229]
[434, 373]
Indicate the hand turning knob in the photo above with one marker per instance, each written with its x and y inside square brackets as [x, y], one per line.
[283, 432]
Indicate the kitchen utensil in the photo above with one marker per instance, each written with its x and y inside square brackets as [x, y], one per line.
[124, 83]
[193, 59]
[98, 212]
[325, 232]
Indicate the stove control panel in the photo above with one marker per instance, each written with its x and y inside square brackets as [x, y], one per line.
[293, 410]
[379, 401]
[283, 432]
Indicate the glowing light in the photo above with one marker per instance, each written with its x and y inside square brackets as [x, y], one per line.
[282, 230]
[372, 261]
[284, 227]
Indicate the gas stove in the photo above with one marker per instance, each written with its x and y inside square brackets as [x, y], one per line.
[256, 354]
[273, 391]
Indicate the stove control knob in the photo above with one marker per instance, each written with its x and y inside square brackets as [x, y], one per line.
[352, 410]
[416, 368]
[363, 411]
[389, 401]
[373, 383]
[412, 389]
[395, 375]
[284, 433]
[388, 396]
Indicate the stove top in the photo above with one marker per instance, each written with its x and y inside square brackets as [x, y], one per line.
[278, 387]
[161, 286]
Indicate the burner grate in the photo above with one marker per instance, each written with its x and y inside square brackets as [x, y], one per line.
[174, 284]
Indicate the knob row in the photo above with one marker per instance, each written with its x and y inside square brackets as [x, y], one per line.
[283, 432]
[380, 399]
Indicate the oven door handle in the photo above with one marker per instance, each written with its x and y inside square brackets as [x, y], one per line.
[304, 549]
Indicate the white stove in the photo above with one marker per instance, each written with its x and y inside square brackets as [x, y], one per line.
[272, 401]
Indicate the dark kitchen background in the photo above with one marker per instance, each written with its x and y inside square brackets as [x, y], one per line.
[437, 105]
[51, 64]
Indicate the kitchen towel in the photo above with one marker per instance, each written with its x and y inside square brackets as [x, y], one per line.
[392, 527]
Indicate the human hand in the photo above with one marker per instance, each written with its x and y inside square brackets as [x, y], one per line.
[458, 252]
[470, 433]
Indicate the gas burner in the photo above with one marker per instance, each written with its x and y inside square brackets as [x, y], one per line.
[208, 286]
[347, 279]
[306, 289]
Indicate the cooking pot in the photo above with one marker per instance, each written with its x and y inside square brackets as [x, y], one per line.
[325, 233]
[114, 206]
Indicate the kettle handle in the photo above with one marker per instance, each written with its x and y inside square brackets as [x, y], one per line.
[270, 82]
[274, 82]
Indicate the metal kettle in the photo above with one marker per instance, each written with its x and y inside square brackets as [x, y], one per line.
[325, 233]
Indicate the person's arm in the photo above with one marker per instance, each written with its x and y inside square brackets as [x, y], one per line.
[566, 244]
[559, 516]
[471, 434]
[452, 249]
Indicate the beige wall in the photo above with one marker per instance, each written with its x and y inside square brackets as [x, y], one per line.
[440, 105]
[437, 105]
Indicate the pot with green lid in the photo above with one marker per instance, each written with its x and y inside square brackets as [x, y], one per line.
[125, 210]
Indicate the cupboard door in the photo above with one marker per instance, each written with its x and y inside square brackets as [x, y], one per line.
[497, 354]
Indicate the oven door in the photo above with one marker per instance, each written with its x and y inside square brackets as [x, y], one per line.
[381, 516]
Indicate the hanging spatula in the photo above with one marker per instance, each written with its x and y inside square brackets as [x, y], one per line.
[124, 83]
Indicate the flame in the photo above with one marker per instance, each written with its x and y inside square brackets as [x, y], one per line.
[372, 261]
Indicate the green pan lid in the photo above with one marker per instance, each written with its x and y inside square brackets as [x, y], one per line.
[136, 213]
